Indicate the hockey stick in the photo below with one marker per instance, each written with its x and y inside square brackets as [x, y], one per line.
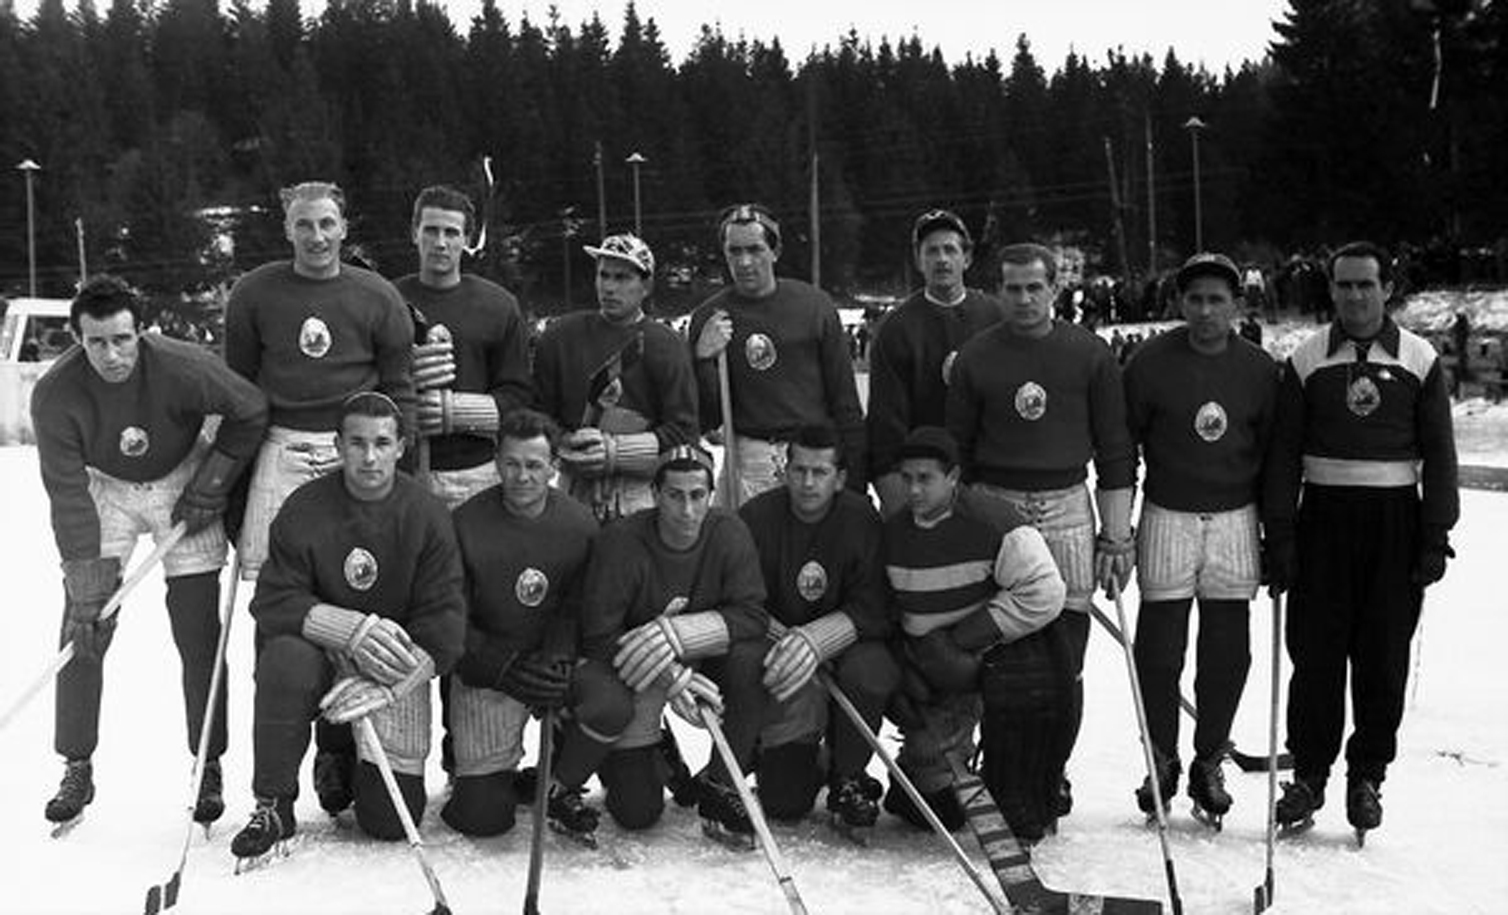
[165, 895]
[1246, 762]
[66, 654]
[368, 733]
[541, 799]
[756, 815]
[906, 784]
[1262, 894]
[733, 494]
[1146, 749]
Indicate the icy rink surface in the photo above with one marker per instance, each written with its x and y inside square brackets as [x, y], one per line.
[1440, 849]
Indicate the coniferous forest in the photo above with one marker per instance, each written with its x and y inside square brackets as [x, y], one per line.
[164, 129]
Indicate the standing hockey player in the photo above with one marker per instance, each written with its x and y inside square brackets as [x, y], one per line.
[1199, 402]
[619, 382]
[819, 548]
[310, 333]
[524, 547]
[979, 600]
[914, 348]
[673, 612]
[1363, 423]
[788, 363]
[1030, 402]
[118, 422]
[359, 605]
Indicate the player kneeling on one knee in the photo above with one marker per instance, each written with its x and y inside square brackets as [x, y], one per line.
[978, 597]
[819, 545]
[358, 607]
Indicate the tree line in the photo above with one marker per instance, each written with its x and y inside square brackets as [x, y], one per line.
[164, 129]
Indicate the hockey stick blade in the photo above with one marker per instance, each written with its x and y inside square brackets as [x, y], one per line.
[1248, 763]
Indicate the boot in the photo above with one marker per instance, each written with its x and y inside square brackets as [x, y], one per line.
[1168, 770]
[271, 822]
[1301, 798]
[1363, 804]
[1207, 790]
[724, 817]
[74, 793]
[211, 803]
[570, 815]
[334, 774]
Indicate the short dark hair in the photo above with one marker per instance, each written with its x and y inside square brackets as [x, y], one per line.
[103, 295]
[744, 213]
[819, 436]
[1028, 253]
[1363, 249]
[932, 443]
[445, 197]
[684, 458]
[313, 190]
[524, 424]
[370, 403]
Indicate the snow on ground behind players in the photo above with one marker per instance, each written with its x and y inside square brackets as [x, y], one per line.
[1439, 849]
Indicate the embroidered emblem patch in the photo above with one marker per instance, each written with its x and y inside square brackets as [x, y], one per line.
[759, 350]
[360, 569]
[531, 587]
[1363, 397]
[134, 441]
[1210, 422]
[314, 338]
[811, 581]
[1031, 401]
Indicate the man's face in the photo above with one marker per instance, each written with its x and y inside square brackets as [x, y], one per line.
[525, 466]
[751, 261]
[621, 290]
[110, 344]
[929, 488]
[1028, 297]
[1209, 306]
[440, 237]
[1359, 294]
[682, 498]
[942, 259]
[369, 449]
[813, 479]
[316, 229]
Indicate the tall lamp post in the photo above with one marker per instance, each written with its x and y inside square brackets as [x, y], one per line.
[637, 160]
[1193, 125]
[28, 168]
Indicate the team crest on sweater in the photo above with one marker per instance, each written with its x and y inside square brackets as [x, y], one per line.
[1031, 401]
[676, 605]
[134, 441]
[360, 569]
[314, 338]
[759, 351]
[1363, 397]
[1211, 422]
[531, 587]
[811, 581]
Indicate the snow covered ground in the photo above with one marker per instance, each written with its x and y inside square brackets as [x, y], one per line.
[1440, 850]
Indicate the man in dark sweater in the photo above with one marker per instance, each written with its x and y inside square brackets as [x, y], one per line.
[1199, 402]
[118, 421]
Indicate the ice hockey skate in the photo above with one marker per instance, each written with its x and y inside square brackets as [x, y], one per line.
[1207, 791]
[1295, 809]
[852, 806]
[266, 836]
[66, 808]
[724, 819]
[1363, 807]
[1167, 784]
[569, 815]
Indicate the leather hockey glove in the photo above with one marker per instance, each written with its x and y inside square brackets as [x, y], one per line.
[1115, 547]
[1433, 553]
[584, 451]
[1280, 563]
[203, 500]
[357, 697]
[434, 362]
[379, 647]
[793, 659]
[647, 650]
[87, 586]
[690, 692]
[538, 681]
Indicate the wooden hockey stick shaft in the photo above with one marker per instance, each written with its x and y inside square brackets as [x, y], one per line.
[368, 733]
[541, 800]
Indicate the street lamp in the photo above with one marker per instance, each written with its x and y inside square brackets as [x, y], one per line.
[28, 168]
[637, 160]
[1193, 125]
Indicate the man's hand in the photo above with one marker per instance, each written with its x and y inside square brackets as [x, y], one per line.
[790, 664]
[203, 500]
[692, 692]
[382, 650]
[715, 335]
[584, 451]
[88, 584]
[645, 652]
[1279, 564]
[1113, 562]
[1430, 566]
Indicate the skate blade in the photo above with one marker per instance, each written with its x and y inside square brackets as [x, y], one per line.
[1296, 828]
[858, 835]
[584, 839]
[1361, 836]
[281, 849]
[62, 829]
[717, 832]
[1214, 821]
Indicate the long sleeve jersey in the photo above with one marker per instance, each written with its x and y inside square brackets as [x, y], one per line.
[830, 566]
[491, 355]
[788, 367]
[634, 577]
[1363, 414]
[309, 344]
[976, 559]
[581, 354]
[1203, 421]
[137, 430]
[910, 364]
[395, 557]
[1029, 413]
[523, 575]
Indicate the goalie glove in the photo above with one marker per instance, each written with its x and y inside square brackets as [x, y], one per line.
[647, 650]
[357, 697]
[379, 647]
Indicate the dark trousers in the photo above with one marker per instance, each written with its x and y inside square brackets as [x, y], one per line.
[1075, 631]
[868, 674]
[1353, 602]
[292, 675]
[1223, 656]
[193, 603]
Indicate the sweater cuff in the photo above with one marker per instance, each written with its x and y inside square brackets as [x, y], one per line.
[474, 414]
[831, 635]
[701, 635]
[633, 453]
[334, 628]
